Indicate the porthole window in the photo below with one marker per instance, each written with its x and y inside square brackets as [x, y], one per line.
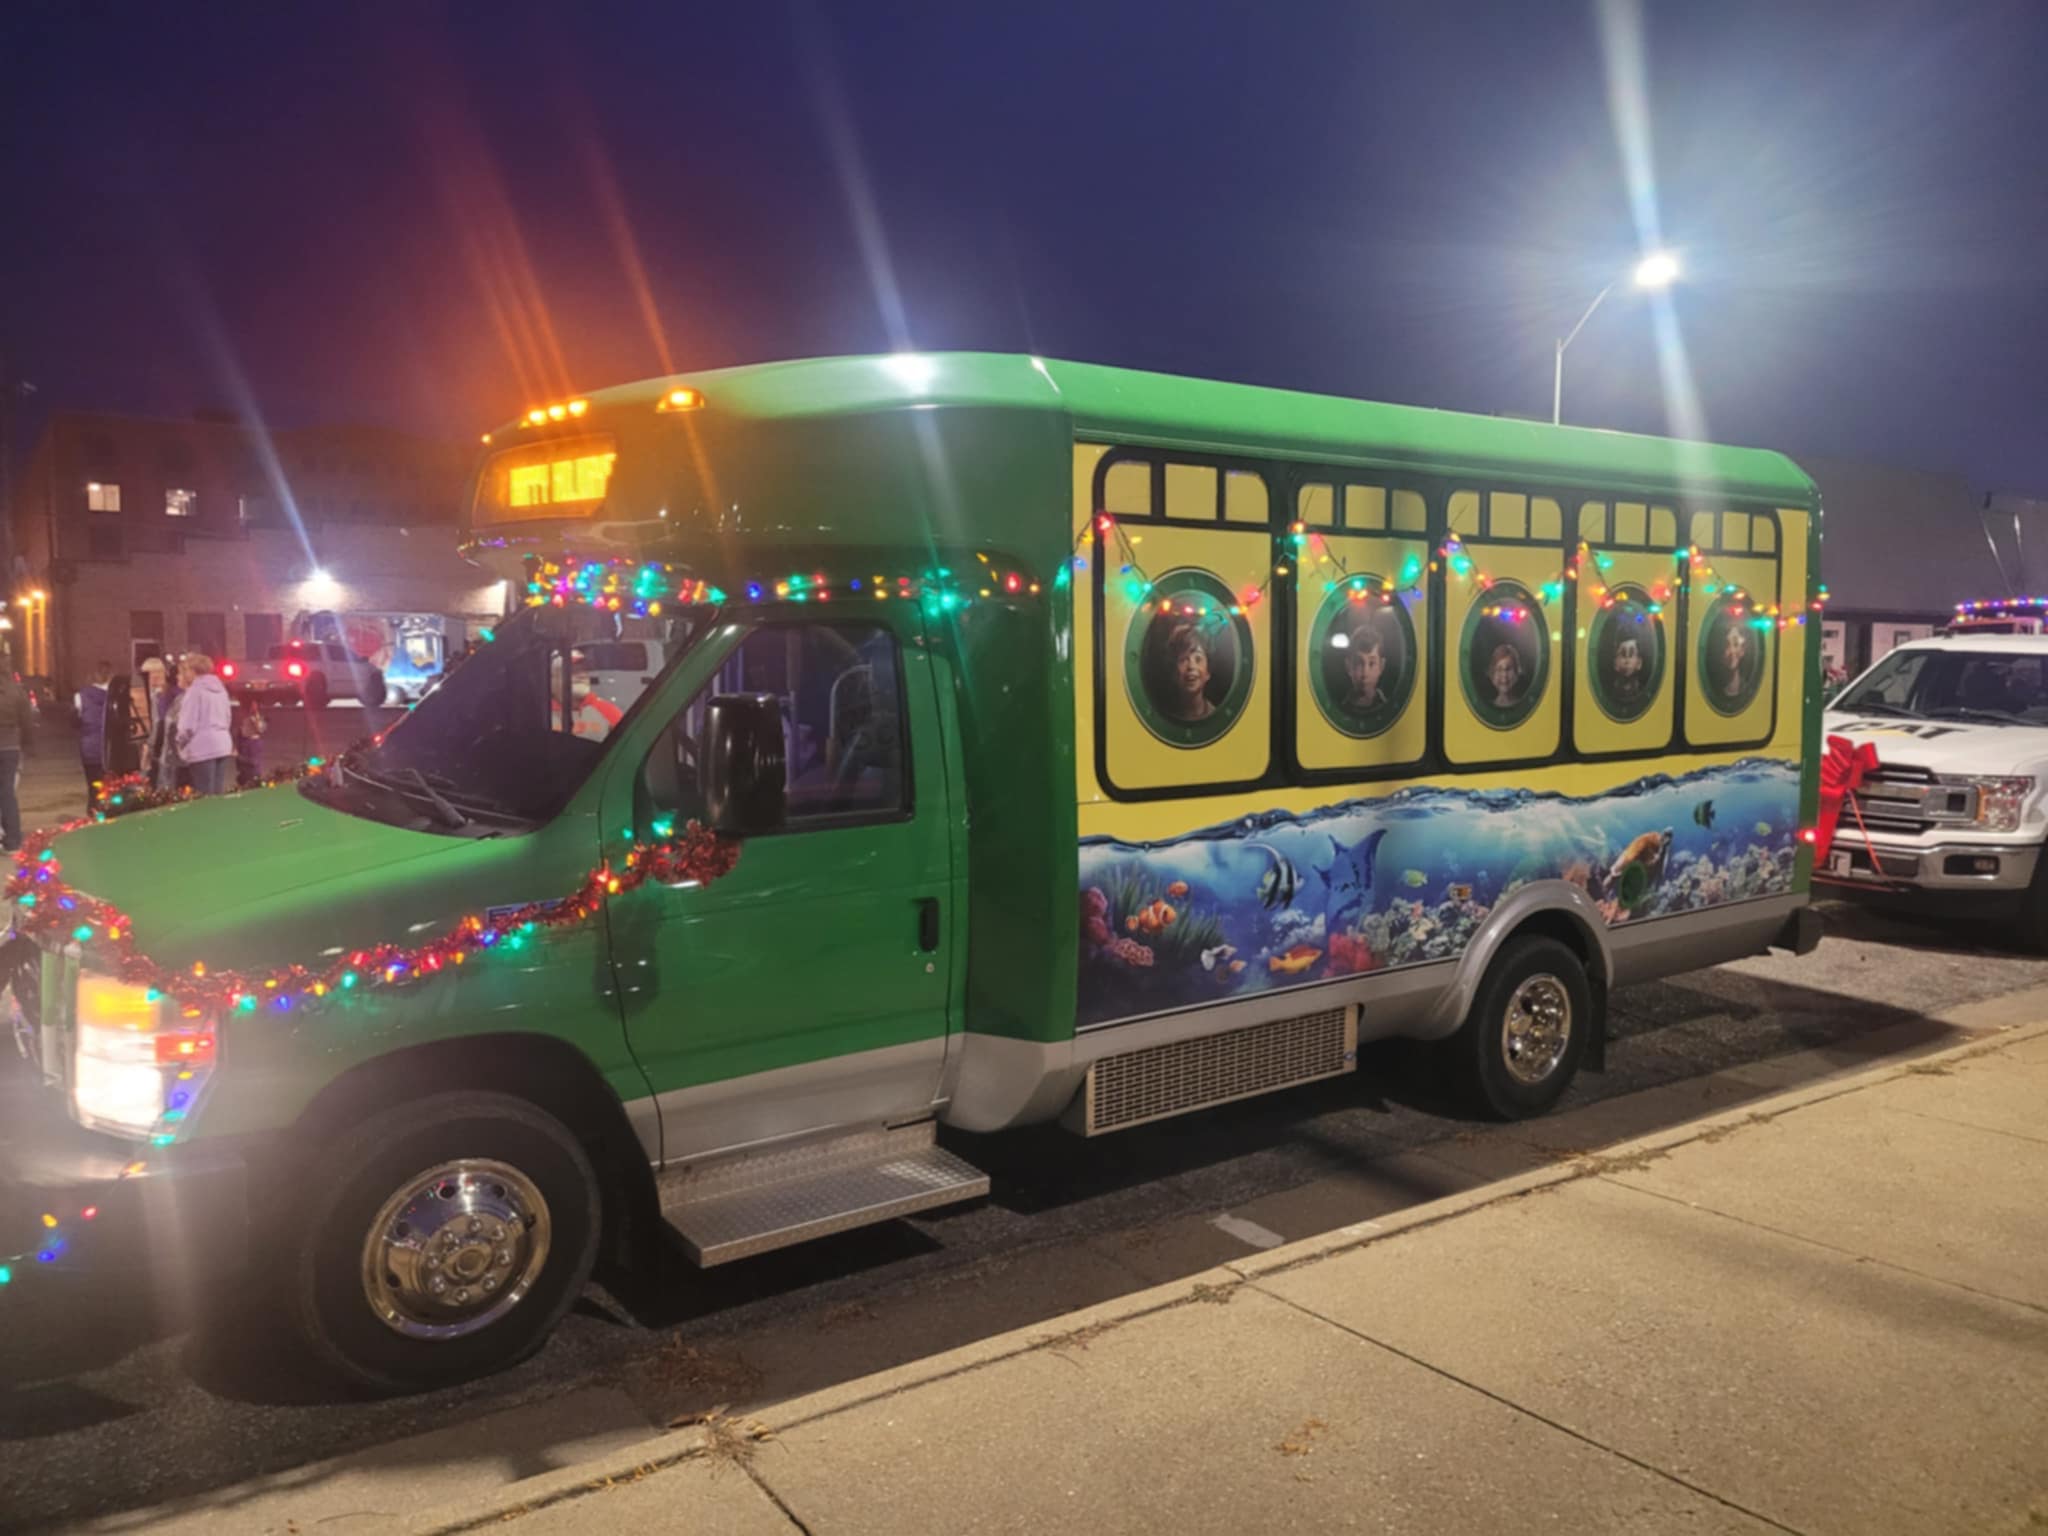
[1364, 657]
[1504, 656]
[1188, 659]
[1626, 648]
[1732, 653]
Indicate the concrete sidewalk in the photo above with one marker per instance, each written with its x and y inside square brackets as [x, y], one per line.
[1825, 1311]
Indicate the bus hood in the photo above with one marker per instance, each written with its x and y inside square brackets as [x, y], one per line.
[185, 871]
[1947, 746]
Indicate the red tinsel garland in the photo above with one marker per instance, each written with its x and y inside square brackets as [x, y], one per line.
[44, 904]
[134, 792]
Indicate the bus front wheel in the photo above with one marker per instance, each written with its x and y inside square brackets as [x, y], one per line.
[444, 1240]
[1531, 1018]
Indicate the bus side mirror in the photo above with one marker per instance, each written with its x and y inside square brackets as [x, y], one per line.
[743, 764]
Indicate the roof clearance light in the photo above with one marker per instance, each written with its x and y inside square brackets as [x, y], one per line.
[557, 412]
[578, 407]
[536, 416]
[487, 439]
[681, 400]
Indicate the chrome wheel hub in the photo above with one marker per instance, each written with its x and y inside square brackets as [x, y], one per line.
[1536, 1029]
[455, 1249]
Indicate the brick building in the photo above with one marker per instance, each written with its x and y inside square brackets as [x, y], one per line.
[133, 536]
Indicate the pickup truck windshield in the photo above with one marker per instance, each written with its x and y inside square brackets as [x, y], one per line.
[510, 733]
[1989, 686]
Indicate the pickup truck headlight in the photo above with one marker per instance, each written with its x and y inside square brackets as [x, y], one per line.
[133, 1072]
[1999, 800]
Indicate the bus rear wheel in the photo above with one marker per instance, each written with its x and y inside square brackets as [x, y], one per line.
[447, 1238]
[1521, 1045]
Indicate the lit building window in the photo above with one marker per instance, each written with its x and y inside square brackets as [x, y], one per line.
[102, 496]
[180, 503]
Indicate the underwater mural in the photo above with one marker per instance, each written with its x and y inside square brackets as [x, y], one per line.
[1281, 899]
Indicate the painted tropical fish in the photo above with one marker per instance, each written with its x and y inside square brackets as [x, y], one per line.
[1280, 881]
[1459, 892]
[1639, 869]
[1178, 889]
[1703, 813]
[1414, 879]
[1763, 829]
[1220, 955]
[1295, 961]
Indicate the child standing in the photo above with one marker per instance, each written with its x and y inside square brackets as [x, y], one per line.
[249, 746]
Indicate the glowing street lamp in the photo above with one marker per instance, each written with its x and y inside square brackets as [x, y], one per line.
[1657, 269]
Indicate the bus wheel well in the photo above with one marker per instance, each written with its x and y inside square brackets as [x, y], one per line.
[543, 1071]
[1569, 932]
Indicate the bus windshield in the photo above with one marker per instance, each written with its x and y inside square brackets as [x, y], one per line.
[509, 735]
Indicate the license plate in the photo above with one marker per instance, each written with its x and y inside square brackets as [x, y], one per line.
[1838, 864]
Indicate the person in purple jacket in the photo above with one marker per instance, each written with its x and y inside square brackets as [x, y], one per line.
[205, 727]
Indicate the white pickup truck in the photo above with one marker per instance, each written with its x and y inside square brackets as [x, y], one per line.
[1956, 813]
[308, 672]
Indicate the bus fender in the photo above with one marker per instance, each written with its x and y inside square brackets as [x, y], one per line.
[1557, 909]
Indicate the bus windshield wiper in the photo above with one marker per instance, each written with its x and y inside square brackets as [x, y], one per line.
[409, 783]
[464, 798]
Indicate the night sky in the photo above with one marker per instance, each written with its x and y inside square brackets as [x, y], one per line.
[434, 216]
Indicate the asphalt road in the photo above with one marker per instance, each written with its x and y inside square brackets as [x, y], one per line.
[108, 1404]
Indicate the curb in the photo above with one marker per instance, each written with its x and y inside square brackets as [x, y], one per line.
[680, 1445]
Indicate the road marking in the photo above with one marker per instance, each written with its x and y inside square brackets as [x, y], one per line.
[1247, 1232]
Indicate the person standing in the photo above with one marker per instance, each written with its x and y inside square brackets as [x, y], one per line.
[17, 719]
[249, 731]
[163, 765]
[120, 752]
[91, 702]
[204, 726]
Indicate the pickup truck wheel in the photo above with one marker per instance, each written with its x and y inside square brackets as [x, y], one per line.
[447, 1238]
[1522, 1043]
[315, 694]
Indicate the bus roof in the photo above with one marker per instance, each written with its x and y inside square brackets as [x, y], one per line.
[1121, 404]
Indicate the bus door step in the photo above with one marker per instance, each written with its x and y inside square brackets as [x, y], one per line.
[756, 1202]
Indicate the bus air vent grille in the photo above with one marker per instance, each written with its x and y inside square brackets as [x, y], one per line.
[1185, 1075]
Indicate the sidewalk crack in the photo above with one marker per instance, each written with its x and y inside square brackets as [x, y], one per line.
[1970, 1125]
[1826, 1247]
[773, 1497]
[1514, 1407]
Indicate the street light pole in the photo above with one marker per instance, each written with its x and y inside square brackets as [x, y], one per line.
[1557, 377]
[1659, 269]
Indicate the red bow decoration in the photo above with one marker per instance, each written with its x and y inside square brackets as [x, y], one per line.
[1841, 772]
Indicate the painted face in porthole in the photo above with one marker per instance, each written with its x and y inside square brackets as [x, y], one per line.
[1364, 665]
[1734, 651]
[1628, 665]
[1190, 674]
[1506, 676]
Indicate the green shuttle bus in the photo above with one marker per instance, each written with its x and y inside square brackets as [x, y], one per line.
[874, 744]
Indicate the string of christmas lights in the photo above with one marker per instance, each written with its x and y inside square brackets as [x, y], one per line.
[644, 588]
[1300, 548]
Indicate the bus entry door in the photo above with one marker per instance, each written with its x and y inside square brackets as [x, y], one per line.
[813, 984]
